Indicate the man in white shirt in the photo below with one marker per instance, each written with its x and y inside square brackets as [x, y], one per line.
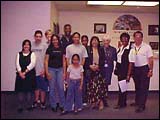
[141, 58]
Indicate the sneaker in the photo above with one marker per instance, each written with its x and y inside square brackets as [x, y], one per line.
[35, 104]
[64, 112]
[79, 109]
[43, 106]
[84, 104]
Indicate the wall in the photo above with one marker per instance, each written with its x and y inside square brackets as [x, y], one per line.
[83, 22]
[19, 20]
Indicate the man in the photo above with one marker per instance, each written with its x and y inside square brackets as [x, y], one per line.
[141, 60]
[66, 38]
[39, 48]
[110, 57]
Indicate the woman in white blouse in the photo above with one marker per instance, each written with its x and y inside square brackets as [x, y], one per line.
[25, 75]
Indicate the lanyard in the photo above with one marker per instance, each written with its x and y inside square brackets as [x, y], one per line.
[137, 50]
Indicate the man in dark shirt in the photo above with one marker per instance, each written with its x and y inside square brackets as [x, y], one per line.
[66, 38]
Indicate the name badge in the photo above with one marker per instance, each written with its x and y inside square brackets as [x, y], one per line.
[106, 65]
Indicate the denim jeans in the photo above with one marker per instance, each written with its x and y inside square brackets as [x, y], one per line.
[74, 95]
[57, 79]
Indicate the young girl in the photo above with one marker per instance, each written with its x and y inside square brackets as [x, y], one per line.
[75, 82]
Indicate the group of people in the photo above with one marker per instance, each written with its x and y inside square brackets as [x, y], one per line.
[85, 71]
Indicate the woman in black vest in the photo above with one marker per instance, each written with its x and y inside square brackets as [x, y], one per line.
[25, 76]
[121, 68]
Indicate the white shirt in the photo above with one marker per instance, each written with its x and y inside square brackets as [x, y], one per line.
[30, 66]
[139, 55]
[39, 50]
[76, 49]
[120, 53]
[75, 73]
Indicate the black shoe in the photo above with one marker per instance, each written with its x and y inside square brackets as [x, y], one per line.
[43, 106]
[54, 109]
[133, 104]
[64, 112]
[20, 110]
[35, 104]
[140, 109]
[61, 109]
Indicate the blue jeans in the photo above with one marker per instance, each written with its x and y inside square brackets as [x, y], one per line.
[57, 79]
[74, 95]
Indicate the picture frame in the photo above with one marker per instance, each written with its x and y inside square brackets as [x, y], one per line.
[99, 28]
[154, 45]
[153, 29]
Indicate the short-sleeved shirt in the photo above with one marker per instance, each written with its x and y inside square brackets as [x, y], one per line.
[139, 55]
[39, 50]
[55, 57]
[76, 49]
[75, 73]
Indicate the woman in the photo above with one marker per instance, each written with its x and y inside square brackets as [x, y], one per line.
[25, 76]
[48, 35]
[55, 69]
[97, 86]
[121, 68]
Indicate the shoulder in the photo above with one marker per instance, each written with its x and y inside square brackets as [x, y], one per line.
[69, 46]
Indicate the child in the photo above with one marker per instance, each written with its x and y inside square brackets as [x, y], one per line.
[75, 82]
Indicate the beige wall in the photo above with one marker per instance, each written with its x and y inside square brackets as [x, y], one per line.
[83, 23]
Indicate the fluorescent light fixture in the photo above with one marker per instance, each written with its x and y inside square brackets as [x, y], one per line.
[140, 3]
[105, 2]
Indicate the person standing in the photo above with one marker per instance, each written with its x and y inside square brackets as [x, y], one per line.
[55, 69]
[121, 69]
[66, 38]
[25, 75]
[39, 49]
[110, 57]
[48, 35]
[86, 77]
[97, 85]
[141, 63]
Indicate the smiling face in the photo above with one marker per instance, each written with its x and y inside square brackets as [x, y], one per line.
[67, 30]
[94, 42]
[38, 38]
[55, 41]
[84, 41]
[48, 36]
[138, 38]
[26, 47]
[75, 60]
[124, 41]
[76, 39]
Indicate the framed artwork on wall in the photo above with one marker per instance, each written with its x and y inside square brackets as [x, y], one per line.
[99, 28]
[154, 45]
[153, 29]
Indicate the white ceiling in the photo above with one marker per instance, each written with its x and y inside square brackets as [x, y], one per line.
[82, 6]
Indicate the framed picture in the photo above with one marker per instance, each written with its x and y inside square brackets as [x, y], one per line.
[153, 29]
[99, 28]
[154, 45]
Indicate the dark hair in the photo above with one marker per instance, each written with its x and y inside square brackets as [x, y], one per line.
[24, 42]
[125, 35]
[75, 34]
[84, 36]
[134, 34]
[67, 25]
[74, 56]
[94, 37]
[38, 32]
[59, 42]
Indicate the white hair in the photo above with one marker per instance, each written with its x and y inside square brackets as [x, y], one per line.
[106, 37]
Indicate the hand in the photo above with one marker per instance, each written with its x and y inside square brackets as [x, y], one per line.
[150, 74]
[49, 77]
[22, 75]
[93, 68]
[64, 76]
[128, 79]
[42, 73]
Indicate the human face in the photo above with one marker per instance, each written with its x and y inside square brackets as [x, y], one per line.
[55, 41]
[67, 30]
[48, 36]
[38, 38]
[75, 60]
[106, 42]
[138, 38]
[84, 41]
[76, 39]
[26, 47]
[94, 42]
[124, 41]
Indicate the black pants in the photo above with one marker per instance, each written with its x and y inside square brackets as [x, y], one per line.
[122, 97]
[141, 84]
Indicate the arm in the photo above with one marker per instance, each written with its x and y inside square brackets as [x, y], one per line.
[46, 66]
[64, 67]
[32, 64]
[81, 81]
[18, 67]
[130, 66]
[150, 60]
[83, 61]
